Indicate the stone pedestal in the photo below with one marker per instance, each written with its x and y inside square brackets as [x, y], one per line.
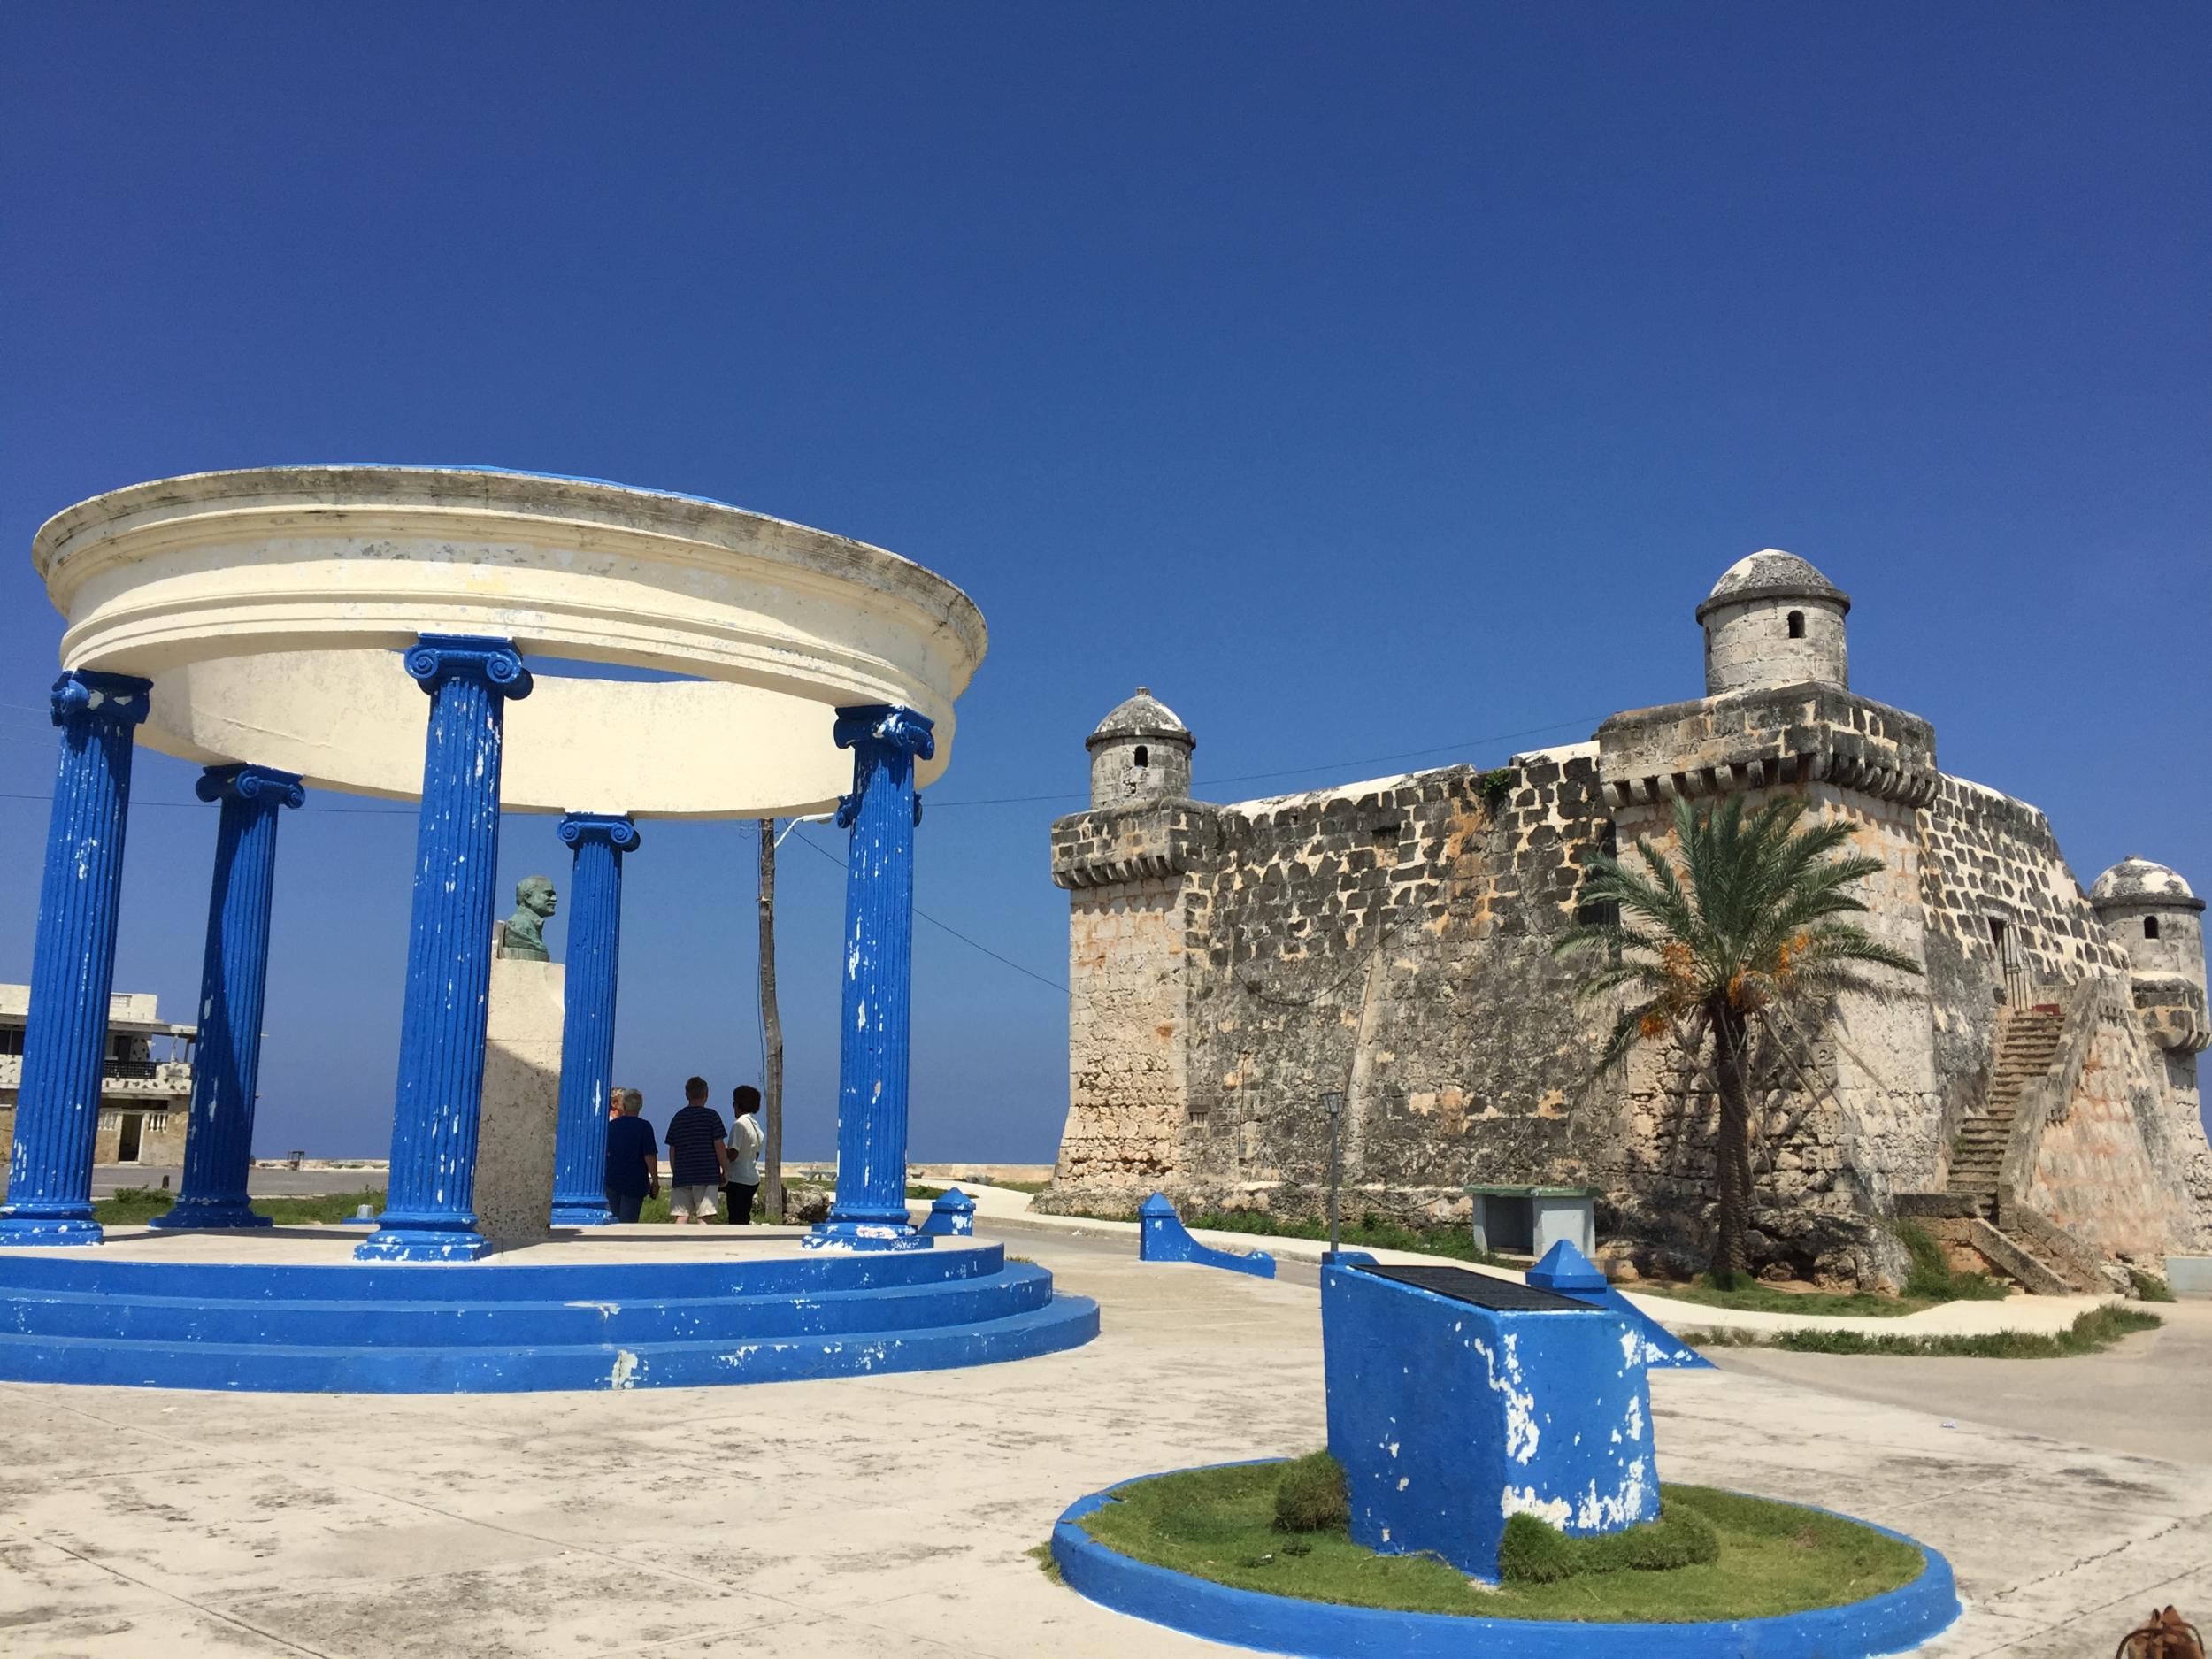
[522, 1094]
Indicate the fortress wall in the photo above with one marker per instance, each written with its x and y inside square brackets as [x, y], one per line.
[1984, 855]
[2111, 1167]
[1846, 1121]
[1127, 943]
[1392, 941]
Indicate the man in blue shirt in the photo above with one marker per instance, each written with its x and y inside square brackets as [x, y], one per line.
[697, 1153]
[633, 1165]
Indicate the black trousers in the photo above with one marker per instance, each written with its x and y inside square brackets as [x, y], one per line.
[739, 1200]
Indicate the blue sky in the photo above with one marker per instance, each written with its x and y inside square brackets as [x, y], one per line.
[1366, 380]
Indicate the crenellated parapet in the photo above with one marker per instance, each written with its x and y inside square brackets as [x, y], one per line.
[1787, 735]
[1151, 842]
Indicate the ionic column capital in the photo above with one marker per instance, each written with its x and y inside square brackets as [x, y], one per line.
[87, 699]
[258, 786]
[617, 830]
[435, 658]
[887, 726]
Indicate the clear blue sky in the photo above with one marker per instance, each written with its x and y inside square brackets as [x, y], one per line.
[1364, 379]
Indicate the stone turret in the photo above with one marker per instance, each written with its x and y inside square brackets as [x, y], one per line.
[1772, 620]
[1140, 753]
[2150, 913]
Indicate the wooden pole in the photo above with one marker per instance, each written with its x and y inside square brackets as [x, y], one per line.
[771, 1029]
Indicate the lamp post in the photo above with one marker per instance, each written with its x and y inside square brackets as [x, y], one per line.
[1332, 1104]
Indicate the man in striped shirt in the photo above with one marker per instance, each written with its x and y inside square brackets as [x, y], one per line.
[697, 1150]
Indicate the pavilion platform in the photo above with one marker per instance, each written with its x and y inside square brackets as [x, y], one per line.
[290, 1309]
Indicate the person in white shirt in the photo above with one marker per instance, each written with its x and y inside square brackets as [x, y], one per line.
[741, 1167]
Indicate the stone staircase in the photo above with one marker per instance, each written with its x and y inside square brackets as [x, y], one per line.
[2026, 1052]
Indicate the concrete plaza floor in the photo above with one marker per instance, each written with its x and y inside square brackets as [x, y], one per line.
[891, 1515]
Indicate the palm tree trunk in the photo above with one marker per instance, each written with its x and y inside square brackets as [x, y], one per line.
[771, 1031]
[1732, 1159]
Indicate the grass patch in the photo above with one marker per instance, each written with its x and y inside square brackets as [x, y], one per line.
[135, 1206]
[1370, 1232]
[915, 1189]
[2149, 1287]
[1041, 1554]
[1770, 1558]
[2091, 1333]
[1750, 1293]
[1931, 1278]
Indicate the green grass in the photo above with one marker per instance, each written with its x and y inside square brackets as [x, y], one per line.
[1219, 1523]
[1931, 1278]
[2091, 1333]
[135, 1206]
[1370, 1232]
[1931, 1281]
[1041, 1554]
[1750, 1293]
[2149, 1287]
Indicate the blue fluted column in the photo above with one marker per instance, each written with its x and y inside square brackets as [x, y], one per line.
[73, 963]
[882, 811]
[595, 946]
[428, 1208]
[233, 977]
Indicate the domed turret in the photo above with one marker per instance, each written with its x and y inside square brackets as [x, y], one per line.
[2151, 914]
[1141, 752]
[1772, 620]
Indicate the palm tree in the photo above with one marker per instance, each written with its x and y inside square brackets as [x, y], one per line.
[1737, 936]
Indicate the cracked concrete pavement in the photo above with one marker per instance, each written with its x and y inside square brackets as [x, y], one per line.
[891, 1515]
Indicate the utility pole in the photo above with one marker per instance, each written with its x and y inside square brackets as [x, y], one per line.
[771, 1029]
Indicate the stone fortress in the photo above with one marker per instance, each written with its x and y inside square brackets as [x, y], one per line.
[2032, 1099]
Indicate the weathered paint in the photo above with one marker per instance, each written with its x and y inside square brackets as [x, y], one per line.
[870, 1210]
[1161, 1237]
[1891, 1623]
[363, 1328]
[1449, 1418]
[594, 948]
[1568, 1272]
[73, 963]
[234, 978]
[428, 1216]
[951, 1217]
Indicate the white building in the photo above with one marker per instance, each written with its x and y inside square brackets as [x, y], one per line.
[146, 1088]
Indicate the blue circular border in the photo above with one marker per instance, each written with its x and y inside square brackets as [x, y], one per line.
[1894, 1622]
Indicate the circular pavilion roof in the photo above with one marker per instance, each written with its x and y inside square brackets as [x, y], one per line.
[1143, 715]
[1771, 573]
[688, 656]
[2136, 881]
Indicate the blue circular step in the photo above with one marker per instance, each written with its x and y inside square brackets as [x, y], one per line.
[88, 1316]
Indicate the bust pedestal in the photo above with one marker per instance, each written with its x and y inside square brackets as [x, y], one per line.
[522, 1089]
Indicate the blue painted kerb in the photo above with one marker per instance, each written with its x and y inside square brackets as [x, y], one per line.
[1161, 1237]
[1895, 1621]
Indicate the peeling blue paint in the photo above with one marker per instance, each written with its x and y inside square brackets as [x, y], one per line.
[1449, 1417]
[1163, 1238]
[73, 963]
[1567, 1271]
[428, 1214]
[365, 1328]
[595, 946]
[951, 1217]
[1894, 1622]
[870, 1210]
[234, 979]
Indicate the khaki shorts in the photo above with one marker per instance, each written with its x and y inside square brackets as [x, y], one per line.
[692, 1201]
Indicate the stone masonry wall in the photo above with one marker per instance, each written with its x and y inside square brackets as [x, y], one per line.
[1986, 855]
[2111, 1167]
[1393, 942]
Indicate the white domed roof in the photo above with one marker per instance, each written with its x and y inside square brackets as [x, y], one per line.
[1771, 573]
[2136, 881]
[1143, 715]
